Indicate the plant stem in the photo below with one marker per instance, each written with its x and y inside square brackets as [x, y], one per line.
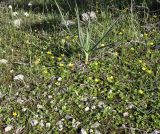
[86, 57]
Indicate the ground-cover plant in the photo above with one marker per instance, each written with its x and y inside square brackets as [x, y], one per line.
[43, 89]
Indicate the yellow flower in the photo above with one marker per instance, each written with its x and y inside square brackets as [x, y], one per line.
[140, 91]
[102, 45]
[62, 55]
[57, 83]
[90, 78]
[71, 65]
[45, 71]
[67, 37]
[96, 80]
[144, 68]
[61, 65]
[49, 52]
[149, 71]
[63, 41]
[120, 33]
[75, 36]
[52, 57]
[140, 61]
[110, 78]
[150, 43]
[14, 114]
[59, 58]
[145, 35]
[115, 53]
[132, 49]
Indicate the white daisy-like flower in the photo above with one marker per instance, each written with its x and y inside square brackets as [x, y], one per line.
[19, 77]
[17, 23]
[26, 14]
[3, 61]
[48, 124]
[29, 4]
[59, 79]
[8, 128]
[10, 6]
[15, 13]
[34, 122]
[41, 123]
[86, 109]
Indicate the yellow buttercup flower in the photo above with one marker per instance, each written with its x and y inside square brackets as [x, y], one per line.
[61, 65]
[71, 65]
[67, 37]
[96, 80]
[110, 78]
[149, 71]
[49, 52]
[120, 33]
[14, 114]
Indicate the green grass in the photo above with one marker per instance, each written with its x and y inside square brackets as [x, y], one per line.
[119, 87]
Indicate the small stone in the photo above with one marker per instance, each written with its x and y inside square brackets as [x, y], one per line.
[156, 132]
[17, 23]
[3, 61]
[68, 23]
[83, 131]
[8, 128]
[19, 77]
[48, 125]
[125, 114]
[95, 125]
[97, 132]
[34, 122]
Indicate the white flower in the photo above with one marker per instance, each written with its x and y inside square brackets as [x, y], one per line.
[3, 61]
[29, 4]
[93, 107]
[75, 123]
[41, 123]
[19, 77]
[24, 109]
[59, 79]
[8, 128]
[48, 124]
[15, 13]
[1, 95]
[125, 114]
[26, 14]
[10, 6]
[67, 23]
[50, 96]
[86, 109]
[34, 122]
[17, 22]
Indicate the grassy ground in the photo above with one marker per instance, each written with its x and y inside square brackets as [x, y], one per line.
[45, 86]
